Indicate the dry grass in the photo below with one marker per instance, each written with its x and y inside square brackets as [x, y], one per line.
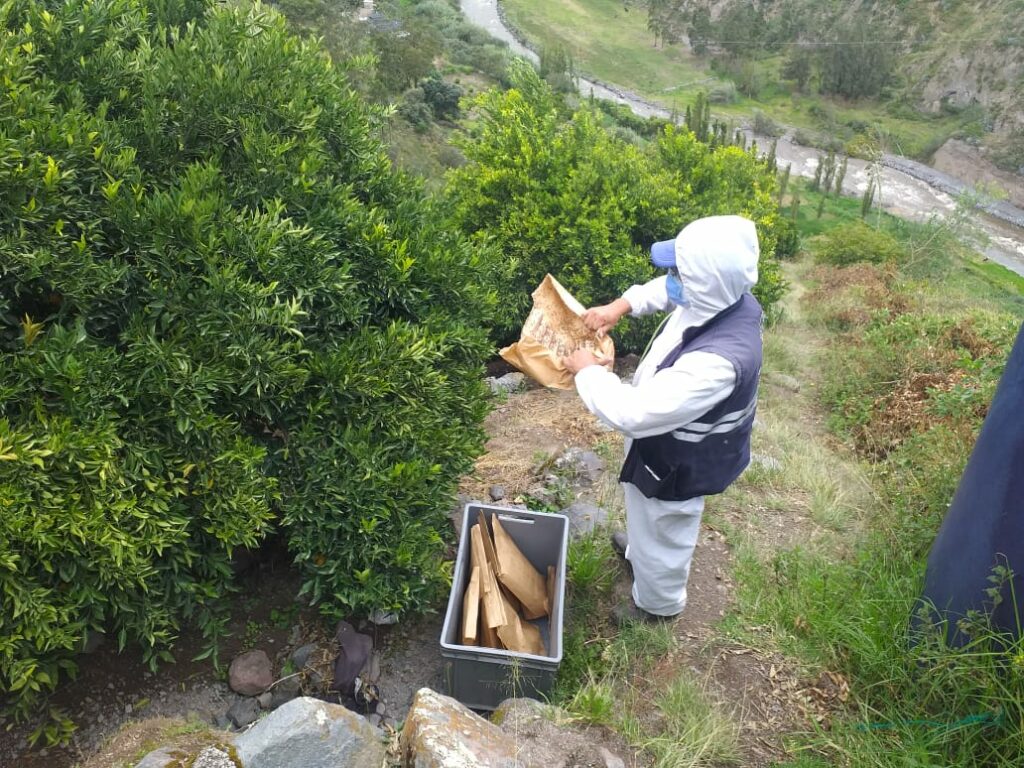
[526, 433]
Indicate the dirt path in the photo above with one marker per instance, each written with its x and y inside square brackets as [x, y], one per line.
[783, 499]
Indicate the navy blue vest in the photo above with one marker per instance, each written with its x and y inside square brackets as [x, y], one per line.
[706, 455]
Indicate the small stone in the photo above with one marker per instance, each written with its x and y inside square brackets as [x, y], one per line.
[380, 709]
[243, 712]
[497, 492]
[383, 618]
[128, 708]
[504, 385]
[374, 720]
[300, 656]
[584, 517]
[785, 381]
[161, 758]
[611, 760]
[264, 699]
[222, 722]
[284, 691]
[251, 673]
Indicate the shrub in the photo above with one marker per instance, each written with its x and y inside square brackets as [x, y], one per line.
[569, 198]
[723, 93]
[231, 311]
[854, 242]
[765, 126]
[442, 96]
[413, 108]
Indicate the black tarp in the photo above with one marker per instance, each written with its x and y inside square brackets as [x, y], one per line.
[984, 527]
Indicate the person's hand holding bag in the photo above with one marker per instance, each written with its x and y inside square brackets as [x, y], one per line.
[603, 318]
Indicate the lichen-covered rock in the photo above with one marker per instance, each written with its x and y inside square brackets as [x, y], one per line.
[214, 757]
[441, 733]
[545, 735]
[251, 673]
[308, 733]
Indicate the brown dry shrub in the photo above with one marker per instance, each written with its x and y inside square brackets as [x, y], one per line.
[847, 298]
[904, 412]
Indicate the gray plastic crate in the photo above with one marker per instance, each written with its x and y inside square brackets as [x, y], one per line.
[481, 678]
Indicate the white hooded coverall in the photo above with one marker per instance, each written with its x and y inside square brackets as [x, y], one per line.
[717, 262]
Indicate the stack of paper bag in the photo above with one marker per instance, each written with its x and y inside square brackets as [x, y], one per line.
[505, 593]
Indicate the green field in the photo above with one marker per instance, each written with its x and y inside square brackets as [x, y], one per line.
[610, 42]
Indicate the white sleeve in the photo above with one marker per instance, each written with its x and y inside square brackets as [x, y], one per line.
[668, 400]
[650, 297]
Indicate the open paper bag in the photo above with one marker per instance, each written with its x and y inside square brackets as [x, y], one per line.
[554, 330]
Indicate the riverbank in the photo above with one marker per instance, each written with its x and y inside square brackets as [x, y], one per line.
[908, 189]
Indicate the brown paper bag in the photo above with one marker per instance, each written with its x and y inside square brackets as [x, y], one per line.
[518, 574]
[520, 636]
[471, 610]
[493, 611]
[554, 330]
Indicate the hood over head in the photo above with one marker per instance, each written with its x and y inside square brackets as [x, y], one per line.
[717, 261]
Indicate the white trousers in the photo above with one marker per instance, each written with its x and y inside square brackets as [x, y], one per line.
[662, 538]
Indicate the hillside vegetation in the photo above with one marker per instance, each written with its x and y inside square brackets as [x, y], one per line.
[905, 76]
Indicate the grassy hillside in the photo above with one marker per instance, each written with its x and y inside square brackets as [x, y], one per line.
[957, 66]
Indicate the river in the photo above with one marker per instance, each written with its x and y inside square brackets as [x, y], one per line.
[908, 189]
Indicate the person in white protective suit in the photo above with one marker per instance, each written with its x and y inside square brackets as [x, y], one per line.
[688, 413]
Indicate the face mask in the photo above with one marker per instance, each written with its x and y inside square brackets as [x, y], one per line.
[675, 290]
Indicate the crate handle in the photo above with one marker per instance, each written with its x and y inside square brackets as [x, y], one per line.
[511, 519]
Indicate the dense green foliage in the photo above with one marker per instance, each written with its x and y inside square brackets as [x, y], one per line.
[219, 308]
[562, 195]
[857, 242]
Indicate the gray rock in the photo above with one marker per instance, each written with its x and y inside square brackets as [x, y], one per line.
[439, 732]
[497, 492]
[243, 712]
[307, 733]
[785, 381]
[251, 673]
[611, 760]
[544, 737]
[264, 699]
[506, 384]
[584, 517]
[374, 719]
[214, 757]
[383, 618]
[300, 656]
[284, 691]
[767, 463]
[161, 758]
[223, 722]
[585, 466]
